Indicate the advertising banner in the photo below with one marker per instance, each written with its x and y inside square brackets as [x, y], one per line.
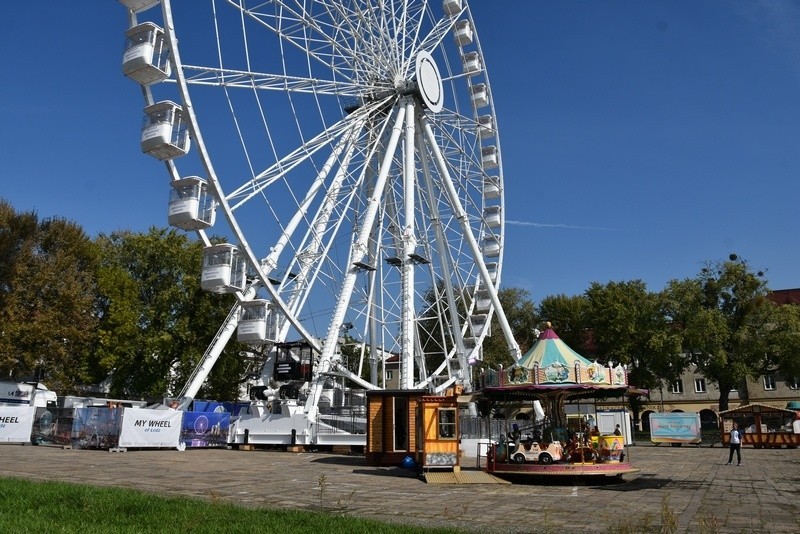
[150, 428]
[52, 426]
[16, 423]
[205, 429]
[676, 427]
[96, 428]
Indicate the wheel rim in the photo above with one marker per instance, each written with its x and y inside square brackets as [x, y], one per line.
[328, 184]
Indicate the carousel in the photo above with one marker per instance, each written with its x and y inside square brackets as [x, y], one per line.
[532, 395]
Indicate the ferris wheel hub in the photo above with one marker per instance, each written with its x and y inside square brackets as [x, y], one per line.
[429, 82]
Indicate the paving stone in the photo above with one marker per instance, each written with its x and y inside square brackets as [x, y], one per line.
[690, 482]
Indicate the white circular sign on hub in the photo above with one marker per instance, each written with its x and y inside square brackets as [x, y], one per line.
[429, 82]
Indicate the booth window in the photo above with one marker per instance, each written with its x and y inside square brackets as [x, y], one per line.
[677, 386]
[769, 382]
[447, 423]
[699, 385]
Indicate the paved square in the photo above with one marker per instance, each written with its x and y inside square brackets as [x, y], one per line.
[763, 495]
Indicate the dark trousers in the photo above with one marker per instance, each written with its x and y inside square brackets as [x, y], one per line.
[738, 448]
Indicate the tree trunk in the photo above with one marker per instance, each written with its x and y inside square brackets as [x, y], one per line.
[635, 403]
[724, 393]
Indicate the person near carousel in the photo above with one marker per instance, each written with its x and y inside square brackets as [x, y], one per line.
[736, 445]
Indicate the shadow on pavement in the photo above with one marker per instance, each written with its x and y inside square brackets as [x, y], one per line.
[341, 460]
[639, 483]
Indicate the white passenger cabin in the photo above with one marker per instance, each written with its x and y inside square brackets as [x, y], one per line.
[473, 350]
[223, 269]
[471, 63]
[480, 95]
[482, 301]
[477, 323]
[485, 126]
[191, 204]
[139, 5]
[489, 158]
[492, 269]
[165, 133]
[492, 215]
[462, 32]
[451, 7]
[256, 323]
[491, 246]
[146, 56]
[491, 189]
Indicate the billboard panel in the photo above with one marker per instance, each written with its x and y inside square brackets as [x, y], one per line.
[676, 427]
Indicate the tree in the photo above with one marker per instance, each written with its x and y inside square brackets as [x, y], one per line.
[156, 322]
[731, 330]
[521, 314]
[47, 292]
[630, 327]
[783, 350]
[569, 317]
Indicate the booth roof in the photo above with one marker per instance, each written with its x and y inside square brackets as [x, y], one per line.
[754, 407]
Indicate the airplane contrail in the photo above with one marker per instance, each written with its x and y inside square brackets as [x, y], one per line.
[545, 225]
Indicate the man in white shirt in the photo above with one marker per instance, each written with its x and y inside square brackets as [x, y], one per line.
[736, 445]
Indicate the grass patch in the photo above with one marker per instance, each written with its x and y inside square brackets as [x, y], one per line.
[54, 507]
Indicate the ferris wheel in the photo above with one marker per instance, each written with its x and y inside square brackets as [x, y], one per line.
[349, 153]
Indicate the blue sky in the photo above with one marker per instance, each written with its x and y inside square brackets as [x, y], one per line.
[639, 138]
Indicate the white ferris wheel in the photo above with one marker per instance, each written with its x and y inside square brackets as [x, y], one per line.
[348, 151]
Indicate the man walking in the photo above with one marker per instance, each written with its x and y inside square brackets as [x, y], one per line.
[736, 445]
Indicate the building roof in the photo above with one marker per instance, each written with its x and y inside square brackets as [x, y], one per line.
[785, 296]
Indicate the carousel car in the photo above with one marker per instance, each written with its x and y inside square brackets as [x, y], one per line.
[533, 452]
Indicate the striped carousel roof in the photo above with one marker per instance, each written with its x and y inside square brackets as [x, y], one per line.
[550, 350]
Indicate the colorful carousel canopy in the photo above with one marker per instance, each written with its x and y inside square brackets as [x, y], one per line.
[551, 362]
[554, 373]
[550, 350]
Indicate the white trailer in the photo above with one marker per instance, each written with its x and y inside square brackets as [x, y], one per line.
[33, 394]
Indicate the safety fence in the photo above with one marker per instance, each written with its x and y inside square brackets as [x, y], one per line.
[113, 427]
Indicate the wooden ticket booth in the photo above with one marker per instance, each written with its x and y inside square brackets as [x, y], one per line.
[763, 426]
[412, 423]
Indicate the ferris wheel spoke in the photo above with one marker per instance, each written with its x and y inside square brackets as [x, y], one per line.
[328, 41]
[281, 168]
[243, 79]
[289, 229]
[434, 37]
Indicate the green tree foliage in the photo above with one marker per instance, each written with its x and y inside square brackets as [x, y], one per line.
[569, 318]
[521, 314]
[156, 322]
[47, 292]
[629, 326]
[355, 355]
[730, 328]
[783, 351]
